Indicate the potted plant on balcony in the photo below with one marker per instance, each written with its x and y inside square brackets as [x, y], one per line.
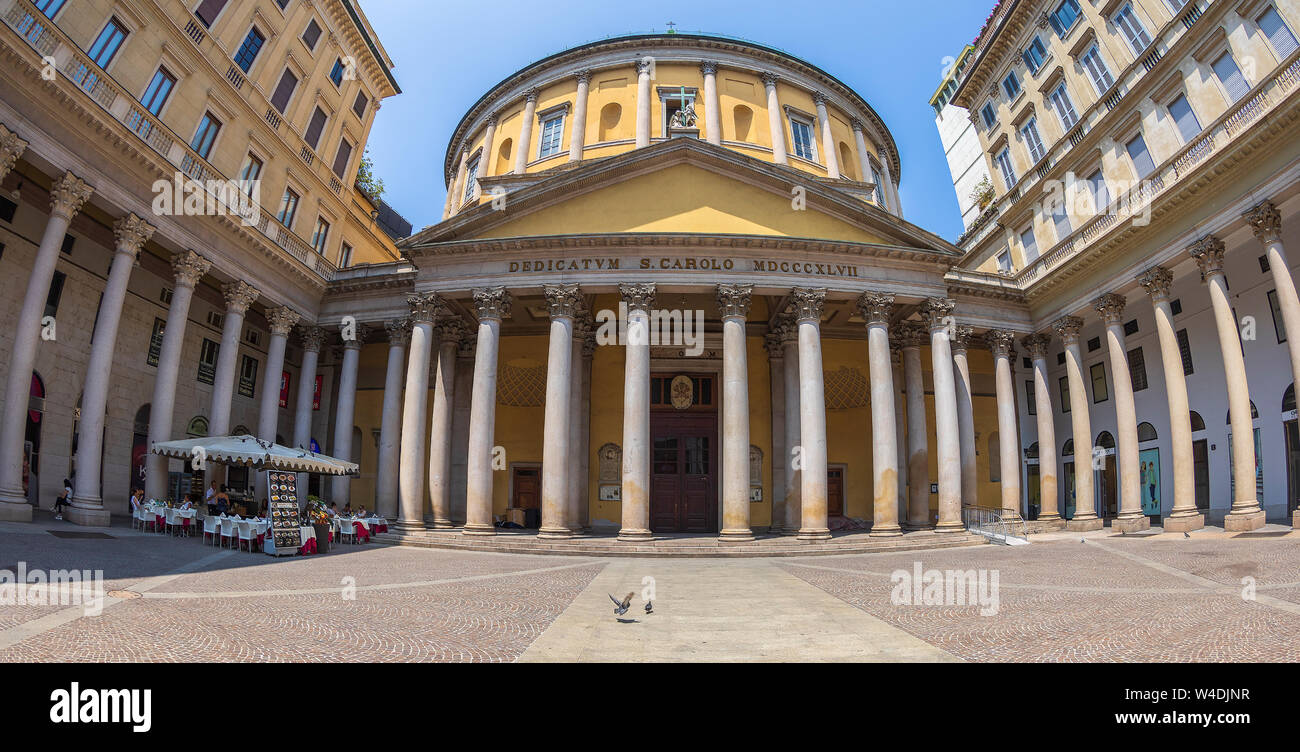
[983, 194]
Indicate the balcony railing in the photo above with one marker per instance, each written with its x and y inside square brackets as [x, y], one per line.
[40, 34]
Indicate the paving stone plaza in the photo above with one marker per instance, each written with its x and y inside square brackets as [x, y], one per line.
[1095, 597]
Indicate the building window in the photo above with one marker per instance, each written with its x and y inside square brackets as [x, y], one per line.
[1142, 162]
[1033, 140]
[1185, 351]
[1234, 84]
[471, 177]
[1181, 111]
[109, 41]
[345, 256]
[804, 147]
[1100, 193]
[1034, 56]
[320, 236]
[1028, 245]
[55, 294]
[1011, 85]
[1133, 30]
[1004, 166]
[1279, 35]
[315, 127]
[160, 87]
[1061, 221]
[311, 35]
[1099, 391]
[282, 4]
[880, 183]
[1137, 369]
[1064, 385]
[1094, 344]
[989, 115]
[250, 174]
[1130, 327]
[1030, 402]
[342, 157]
[288, 208]
[1097, 70]
[208, 361]
[208, 11]
[1279, 326]
[249, 49]
[360, 104]
[1064, 107]
[1004, 261]
[206, 135]
[155, 342]
[552, 132]
[284, 90]
[248, 376]
[1063, 18]
[336, 73]
[50, 7]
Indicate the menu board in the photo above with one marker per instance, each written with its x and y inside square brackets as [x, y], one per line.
[283, 506]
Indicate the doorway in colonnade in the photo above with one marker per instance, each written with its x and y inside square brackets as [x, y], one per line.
[1105, 482]
[684, 453]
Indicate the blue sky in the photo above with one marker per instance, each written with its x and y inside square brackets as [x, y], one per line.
[449, 53]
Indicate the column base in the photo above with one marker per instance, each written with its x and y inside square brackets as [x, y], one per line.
[950, 527]
[440, 524]
[552, 533]
[1241, 522]
[743, 535]
[1183, 524]
[474, 528]
[88, 517]
[408, 526]
[1053, 516]
[15, 511]
[1011, 516]
[1131, 524]
[1084, 524]
[814, 534]
[885, 531]
[914, 527]
[629, 535]
[1295, 518]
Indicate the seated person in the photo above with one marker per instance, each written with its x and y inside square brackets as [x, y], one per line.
[333, 509]
[347, 510]
[188, 503]
[361, 512]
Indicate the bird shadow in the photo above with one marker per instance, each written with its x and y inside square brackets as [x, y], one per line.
[628, 621]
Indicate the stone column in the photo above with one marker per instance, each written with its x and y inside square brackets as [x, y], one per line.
[312, 339]
[130, 233]
[584, 496]
[828, 139]
[900, 424]
[410, 476]
[458, 187]
[190, 268]
[776, 376]
[1266, 221]
[281, 321]
[788, 331]
[938, 315]
[775, 123]
[1037, 345]
[485, 157]
[1246, 513]
[390, 428]
[450, 333]
[910, 337]
[864, 158]
[733, 305]
[1002, 344]
[640, 298]
[876, 309]
[888, 189]
[1085, 501]
[712, 107]
[66, 197]
[961, 336]
[578, 426]
[1131, 518]
[239, 296]
[578, 132]
[564, 302]
[526, 131]
[11, 148]
[1184, 516]
[341, 485]
[493, 304]
[808, 303]
[643, 68]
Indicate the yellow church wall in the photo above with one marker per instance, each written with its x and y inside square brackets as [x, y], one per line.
[606, 414]
[848, 432]
[518, 430]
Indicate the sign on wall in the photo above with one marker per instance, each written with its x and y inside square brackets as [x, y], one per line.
[1149, 479]
[284, 389]
[315, 397]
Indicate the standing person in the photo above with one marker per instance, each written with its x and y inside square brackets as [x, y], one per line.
[223, 500]
[64, 500]
[211, 498]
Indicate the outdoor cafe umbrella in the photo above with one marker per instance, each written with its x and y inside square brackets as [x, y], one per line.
[249, 451]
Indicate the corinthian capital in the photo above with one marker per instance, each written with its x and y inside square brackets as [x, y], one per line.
[876, 307]
[239, 296]
[1208, 252]
[910, 334]
[1111, 308]
[808, 303]
[399, 332]
[358, 338]
[312, 338]
[68, 194]
[451, 330]
[639, 296]
[960, 337]
[282, 320]
[424, 306]
[11, 148]
[1037, 344]
[1156, 281]
[937, 312]
[1266, 222]
[1068, 327]
[189, 268]
[563, 301]
[131, 234]
[733, 300]
[492, 303]
[708, 67]
[1001, 342]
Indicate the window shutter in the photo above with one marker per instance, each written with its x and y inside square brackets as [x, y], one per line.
[312, 136]
[284, 90]
[208, 11]
[1228, 72]
[341, 159]
[1278, 34]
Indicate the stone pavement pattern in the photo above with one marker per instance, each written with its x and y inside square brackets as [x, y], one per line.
[1109, 599]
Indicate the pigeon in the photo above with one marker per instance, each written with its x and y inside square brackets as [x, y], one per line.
[621, 607]
[649, 607]
[1083, 540]
[1185, 535]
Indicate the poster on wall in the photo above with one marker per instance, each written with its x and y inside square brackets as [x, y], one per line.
[1149, 478]
[315, 397]
[284, 389]
[284, 512]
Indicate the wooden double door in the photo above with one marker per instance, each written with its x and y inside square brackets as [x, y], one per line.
[683, 472]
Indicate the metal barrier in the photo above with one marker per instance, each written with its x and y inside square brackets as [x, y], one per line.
[990, 524]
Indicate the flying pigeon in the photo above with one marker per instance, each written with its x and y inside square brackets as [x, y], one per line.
[621, 607]
[649, 607]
